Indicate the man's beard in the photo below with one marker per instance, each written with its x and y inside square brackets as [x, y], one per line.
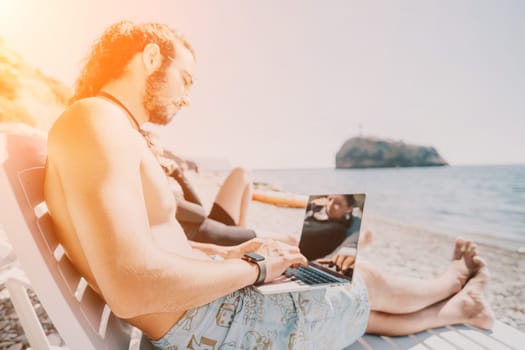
[160, 110]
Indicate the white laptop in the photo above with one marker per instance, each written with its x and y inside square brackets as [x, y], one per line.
[331, 226]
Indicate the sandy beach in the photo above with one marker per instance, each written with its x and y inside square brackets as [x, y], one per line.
[399, 249]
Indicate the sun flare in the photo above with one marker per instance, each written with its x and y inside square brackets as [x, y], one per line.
[9, 10]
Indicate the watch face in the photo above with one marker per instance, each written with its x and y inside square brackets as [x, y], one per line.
[254, 256]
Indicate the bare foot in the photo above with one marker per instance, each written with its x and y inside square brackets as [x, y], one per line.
[473, 261]
[459, 248]
[474, 308]
[465, 263]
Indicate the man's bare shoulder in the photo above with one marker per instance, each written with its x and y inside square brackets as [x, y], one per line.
[91, 122]
[95, 114]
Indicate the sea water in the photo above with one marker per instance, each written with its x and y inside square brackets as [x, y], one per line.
[484, 201]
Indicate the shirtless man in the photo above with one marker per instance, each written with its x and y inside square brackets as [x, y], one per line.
[114, 214]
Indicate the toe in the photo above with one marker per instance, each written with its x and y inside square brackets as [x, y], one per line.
[459, 248]
[483, 270]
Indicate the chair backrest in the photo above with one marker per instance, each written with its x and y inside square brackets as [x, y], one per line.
[81, 317]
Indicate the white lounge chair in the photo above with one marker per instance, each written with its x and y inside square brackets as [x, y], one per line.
[81, 317]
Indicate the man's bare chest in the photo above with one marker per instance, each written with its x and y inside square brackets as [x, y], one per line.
[159, 200]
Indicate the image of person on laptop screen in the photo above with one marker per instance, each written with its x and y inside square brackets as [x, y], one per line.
[330, 220]
[114, 214]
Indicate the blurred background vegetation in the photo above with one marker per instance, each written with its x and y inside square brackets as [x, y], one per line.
[26, 94]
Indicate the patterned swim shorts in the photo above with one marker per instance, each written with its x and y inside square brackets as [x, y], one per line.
[329, 318]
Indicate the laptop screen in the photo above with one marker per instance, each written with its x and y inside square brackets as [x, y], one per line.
[332, 222]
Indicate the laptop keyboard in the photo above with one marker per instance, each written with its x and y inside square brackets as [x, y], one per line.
[309, 275]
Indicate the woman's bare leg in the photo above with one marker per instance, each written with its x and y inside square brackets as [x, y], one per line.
[402, 295]
[245, 201]
[235, 195]
[469, 306]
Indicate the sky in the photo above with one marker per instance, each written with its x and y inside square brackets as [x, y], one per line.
[282, 84]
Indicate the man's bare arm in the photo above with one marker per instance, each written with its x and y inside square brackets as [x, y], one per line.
[228, 252]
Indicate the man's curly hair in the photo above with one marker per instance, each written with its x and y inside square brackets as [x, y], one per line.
[117, 46]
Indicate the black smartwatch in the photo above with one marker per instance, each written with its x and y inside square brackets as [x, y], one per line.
[259, 260]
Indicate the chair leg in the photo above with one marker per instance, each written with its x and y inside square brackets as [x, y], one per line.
[27, 316]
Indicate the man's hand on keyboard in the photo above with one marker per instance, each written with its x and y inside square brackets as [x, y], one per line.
[342, 263]
[279, 256]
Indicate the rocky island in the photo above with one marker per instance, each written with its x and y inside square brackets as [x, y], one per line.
[370, 152]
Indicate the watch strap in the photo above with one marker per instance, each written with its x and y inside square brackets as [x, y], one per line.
[262, 268]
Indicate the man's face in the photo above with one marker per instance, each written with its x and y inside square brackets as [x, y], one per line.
[167, 88]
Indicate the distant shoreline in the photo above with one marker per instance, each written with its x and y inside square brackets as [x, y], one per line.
[372, 168]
